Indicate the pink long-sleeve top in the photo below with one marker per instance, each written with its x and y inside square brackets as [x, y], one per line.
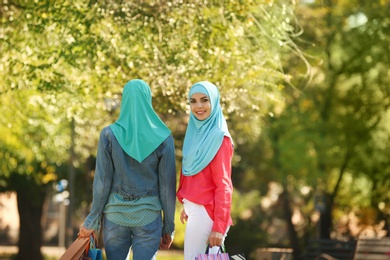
[212, 187]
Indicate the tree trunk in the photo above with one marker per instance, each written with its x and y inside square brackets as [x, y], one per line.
[30, 201]
[292, 234]
[326, 218]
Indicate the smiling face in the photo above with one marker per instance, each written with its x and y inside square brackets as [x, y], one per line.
[200, 106]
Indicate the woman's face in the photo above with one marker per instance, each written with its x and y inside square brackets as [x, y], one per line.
[200, 106]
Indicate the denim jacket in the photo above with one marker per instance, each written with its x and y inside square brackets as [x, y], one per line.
[130, 192]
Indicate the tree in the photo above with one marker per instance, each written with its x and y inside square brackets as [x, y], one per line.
[327, 144]
[349, 115]
[331, 135]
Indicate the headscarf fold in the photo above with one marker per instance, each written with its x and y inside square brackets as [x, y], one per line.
[204, 137]
[139, 130]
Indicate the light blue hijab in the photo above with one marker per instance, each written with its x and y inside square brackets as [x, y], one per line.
[204, 137]
[139, 130]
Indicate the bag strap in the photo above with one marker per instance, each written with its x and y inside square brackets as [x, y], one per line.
[92, 244]
[94, 241]
[222, 248]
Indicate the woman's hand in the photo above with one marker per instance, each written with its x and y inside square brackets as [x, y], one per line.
[215, 239]
[84, 232]
[183, 216]
[166, 241]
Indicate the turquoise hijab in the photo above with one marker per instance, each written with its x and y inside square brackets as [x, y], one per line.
[139, 130]
[204, 137]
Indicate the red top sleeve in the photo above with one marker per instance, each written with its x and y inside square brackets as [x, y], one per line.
[212, 187]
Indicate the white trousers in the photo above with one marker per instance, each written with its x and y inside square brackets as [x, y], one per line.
[198, 230]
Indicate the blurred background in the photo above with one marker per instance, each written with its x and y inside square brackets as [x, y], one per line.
[305, 85]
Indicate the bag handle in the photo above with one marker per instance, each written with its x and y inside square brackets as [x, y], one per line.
[222, 248]
[92, 243]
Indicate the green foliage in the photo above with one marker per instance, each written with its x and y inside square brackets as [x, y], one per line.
[66, 59]
[333, 135]
[63, 65]
[329, 138]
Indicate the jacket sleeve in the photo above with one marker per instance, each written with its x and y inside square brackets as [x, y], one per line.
[102, 182]
[167, 185]
[221, 173]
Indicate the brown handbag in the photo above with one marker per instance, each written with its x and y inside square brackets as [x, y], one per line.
[76, 249]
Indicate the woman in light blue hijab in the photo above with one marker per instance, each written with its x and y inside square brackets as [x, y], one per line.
[205, 187]
[134, 185]
[204, 137]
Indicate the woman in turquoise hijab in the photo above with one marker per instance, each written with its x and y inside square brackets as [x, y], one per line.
[205, 187]
[134, 185]
[139, 130]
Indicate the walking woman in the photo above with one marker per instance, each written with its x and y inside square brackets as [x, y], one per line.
[135, 180]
